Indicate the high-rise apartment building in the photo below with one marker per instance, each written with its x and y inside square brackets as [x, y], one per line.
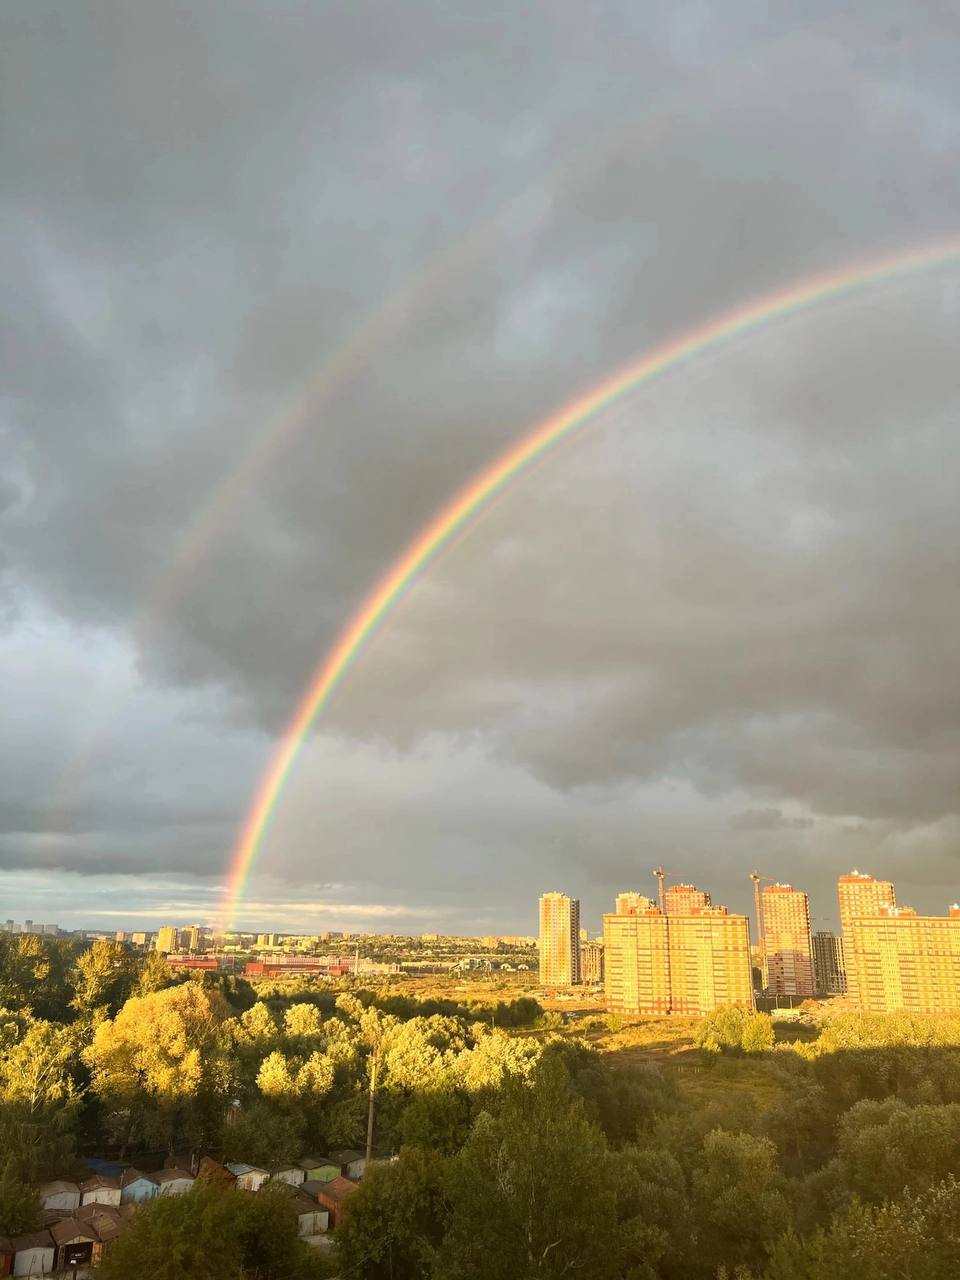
[559, 939]
[787, 946]
[682, 899]
[167, 938]
[906, 961]
[860, 894]
[190, 938]
[689, 964]
[629, 903]
[591, 962]
[829, 968]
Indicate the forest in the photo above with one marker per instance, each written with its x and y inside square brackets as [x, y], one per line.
[523, 1149]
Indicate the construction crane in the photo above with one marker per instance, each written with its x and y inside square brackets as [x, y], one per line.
[661, 875]
[757, 878]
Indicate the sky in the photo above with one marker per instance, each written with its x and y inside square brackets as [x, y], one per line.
[280, 278]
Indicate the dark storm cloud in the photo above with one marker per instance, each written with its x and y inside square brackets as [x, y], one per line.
[744, 577]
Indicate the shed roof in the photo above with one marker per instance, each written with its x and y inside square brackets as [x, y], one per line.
[238, 1168]
[98, 1180]
[31, 1240]
[68, 1229]
[56, 1186]
[346, 1155]
[131, 1175]
[171, 1175]
[339, 1188]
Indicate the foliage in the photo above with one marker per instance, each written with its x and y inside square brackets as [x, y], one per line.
[19, 1203]
[159, 1062]
[733, 1027]
[214, 1233]
[395, 1222]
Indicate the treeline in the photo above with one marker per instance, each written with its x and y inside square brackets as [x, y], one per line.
[104, 1051]
[521, 1156]
[825, 1158]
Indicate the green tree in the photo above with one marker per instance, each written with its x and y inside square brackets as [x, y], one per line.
[914, 1238]
[739, 1202]
[395, 1222]
[102, 979]
[214, 1233]
[532, 1192]
[161, 1066]
[19, 1203]
[733, 1027]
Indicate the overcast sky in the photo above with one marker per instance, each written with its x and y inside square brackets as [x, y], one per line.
[280, 277]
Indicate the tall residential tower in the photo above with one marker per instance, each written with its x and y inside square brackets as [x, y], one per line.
[559, 939]
[786, 933]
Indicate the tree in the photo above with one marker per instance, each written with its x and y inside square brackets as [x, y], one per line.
[101, 979]
[39, 1101]
[155, 974]
[214, 1233]
[733, 1027]
[19, 1203]
[161, 1063]
[395, 1222]
[916, 1237]
[516, 1208]
[739, 1203]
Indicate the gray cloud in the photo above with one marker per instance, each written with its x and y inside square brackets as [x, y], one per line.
[740, 582]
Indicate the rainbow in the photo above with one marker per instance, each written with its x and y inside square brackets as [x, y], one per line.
[508, 466]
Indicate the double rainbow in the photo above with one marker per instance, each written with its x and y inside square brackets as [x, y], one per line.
[510, 464]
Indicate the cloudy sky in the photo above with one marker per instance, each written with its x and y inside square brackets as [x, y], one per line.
[280, 277]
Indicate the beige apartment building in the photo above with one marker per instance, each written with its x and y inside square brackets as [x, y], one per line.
[591, 962]
[906, 961]
[167, 938]
[860, 894]
[681, 899]
[787, 944]
[686, 964]
[559, 940]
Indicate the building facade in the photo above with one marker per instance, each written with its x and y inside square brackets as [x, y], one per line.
[591, 962]
[559, 939]
[787, 945]
[687, 964]
[630, 903]
[907, 962]
[168, 939]
[860, 894]
[829, 967]
[682, 899]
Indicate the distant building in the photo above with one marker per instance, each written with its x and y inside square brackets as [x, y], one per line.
[829, 969]
[167, 939]
[559, 939]
[682, 899]
[189, 938]
[687, 964]
[591, 962]
[905, 961]
[786, 934]
[860, 894]
[138, 939]
[632, 902]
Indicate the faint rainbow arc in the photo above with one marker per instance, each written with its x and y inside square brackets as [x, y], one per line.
[508, 466]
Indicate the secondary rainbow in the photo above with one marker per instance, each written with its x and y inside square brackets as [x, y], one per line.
[510, 464]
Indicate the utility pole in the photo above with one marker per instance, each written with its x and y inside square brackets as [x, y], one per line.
[373, 1093]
